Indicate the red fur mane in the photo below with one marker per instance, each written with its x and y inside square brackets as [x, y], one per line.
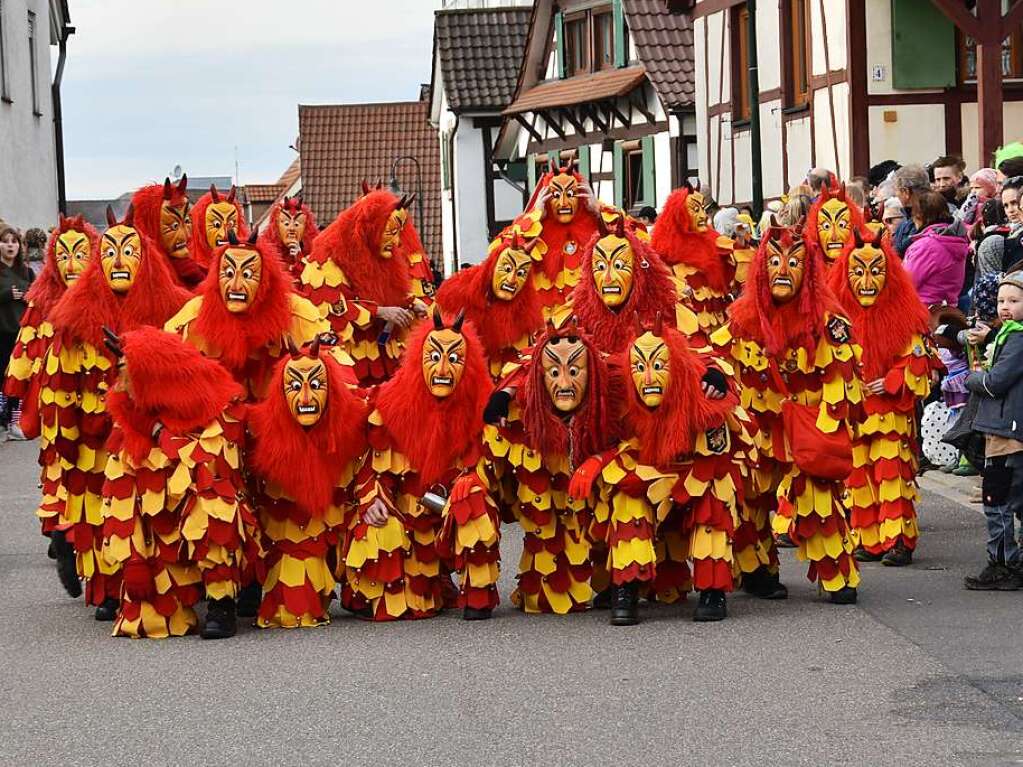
[353, 242]
[48, 287]
[270, 237]
[653, 291]
[810, 234]
[267, 318]
[306, 463]
[676, 243]
[555, 234]
[198, 248]
[433, 433]
[884, 329]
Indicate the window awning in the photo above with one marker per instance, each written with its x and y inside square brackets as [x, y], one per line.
[610, 83]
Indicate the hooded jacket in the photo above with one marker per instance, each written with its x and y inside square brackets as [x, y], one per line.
[936, 262]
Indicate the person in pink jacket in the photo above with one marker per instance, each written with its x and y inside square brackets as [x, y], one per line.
[936, 257]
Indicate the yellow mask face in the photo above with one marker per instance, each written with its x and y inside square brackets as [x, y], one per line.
[564, 200]
[696, 211]
[651, 368]
[868, 271]
[72, 253]
[566, 372]
[121, 256]
[613, 263]
[174, 231]
[510, 273]
[291, 228]
[305, 389]
[391, 237]
[241, 270]
[221, 217]
[785, 268]
[834, 227]
[443, 361]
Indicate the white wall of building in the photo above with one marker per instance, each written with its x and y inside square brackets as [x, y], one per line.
[470, 194]
[28, 165]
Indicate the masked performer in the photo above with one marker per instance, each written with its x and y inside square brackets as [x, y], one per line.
[244, 312]
[213, 216]
[424, 433]
[797, 367]
[676, 482]
[892, 326]
[174, 514]
[362, 286]
[289, 233]
[499, 299]
[410, 247]
[309, 434]
[830, 223]
[126, 287]
[161, 214]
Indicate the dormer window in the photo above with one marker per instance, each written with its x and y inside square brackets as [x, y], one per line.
[592, 40]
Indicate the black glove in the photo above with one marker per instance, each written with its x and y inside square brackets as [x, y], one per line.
[497, 406]
[716, 380]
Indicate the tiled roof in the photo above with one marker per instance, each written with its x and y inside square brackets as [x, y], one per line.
[342, 144]
[291, 175]
[260, 193]
[578, 90]
[664, 43]
[480, 52]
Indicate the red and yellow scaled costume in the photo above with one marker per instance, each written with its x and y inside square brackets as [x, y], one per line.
[830, 223]
[704, 263]
[676, 481]
[173, 495]
[244, 312]
[71, 246]
[308, 438]
[355, 272]
[788, 339]
[289, 233]
[161, 214]
[126, 287]
[212, 217]
[499, 299]
[892, 326]
[424, 434]
[420, 269]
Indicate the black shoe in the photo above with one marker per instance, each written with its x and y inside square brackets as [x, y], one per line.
[711, 607]
[862, 555]
[602, 599]
[898, 556]
[625, 604]
[248, 600]
[51, 550]
[763, 584]
[783, 541]
[108, 610]
[221, 619]
[844, 596]
[994, 577]
[67, 571]
[472, 614]
[925, 466]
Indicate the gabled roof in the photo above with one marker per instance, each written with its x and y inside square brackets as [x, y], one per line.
[263, 193]
[344, 144]
[291, 175]
[605, 84]
[664, 43]
[480, 51]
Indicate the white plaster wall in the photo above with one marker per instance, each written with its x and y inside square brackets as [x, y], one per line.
[1012, 130]
[835, 21]
[772, 161]
[28, 164]
[917, 137]
[700, 53]
[828, 155]
[662, 168]
[470, 194]
[743, 190]
[507, 199]
[768, 53]
[797, 133]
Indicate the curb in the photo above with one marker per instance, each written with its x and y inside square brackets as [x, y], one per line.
[951, 487]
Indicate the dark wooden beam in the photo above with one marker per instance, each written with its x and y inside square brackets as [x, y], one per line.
[577, 124]
[637, 131]
[856, 44]
[638, 103]
[962, 18]
[551, 121]
[989, 77]
[1014, 16]
[529, 128]
[597, 118]
[707, 7]
[613, 109]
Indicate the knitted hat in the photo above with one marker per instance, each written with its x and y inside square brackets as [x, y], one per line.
[1012, 278]
[987, 179]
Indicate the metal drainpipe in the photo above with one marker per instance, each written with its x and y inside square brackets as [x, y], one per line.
[454, 197]
[58, 118]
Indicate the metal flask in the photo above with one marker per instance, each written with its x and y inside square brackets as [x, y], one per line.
[433, 501]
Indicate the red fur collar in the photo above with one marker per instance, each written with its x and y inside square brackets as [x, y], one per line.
[48, 287]
[676, 243]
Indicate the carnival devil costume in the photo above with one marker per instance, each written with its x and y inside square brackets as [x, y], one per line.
[798, 372]
[892, 326]
[832, 219]
[357, 279]
[424, 433]
[127, 287]
[162, 216]
[308, 438]
[289, 233]
[173, 496]
[212, 217]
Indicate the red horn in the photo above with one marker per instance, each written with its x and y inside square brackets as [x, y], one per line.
[637, 324]
[858, 237]
[879, 237]
[658, 324]
[231, 194]
[168, 189]
[129, 216]
[438, 321]
[292, 349]
[214, 194]
[183, 184]
[620, 226]
[459, 319]
[314, 348]
[602, 226]
[111, 218]
[365, 187]
[528, 245]
[253, 236]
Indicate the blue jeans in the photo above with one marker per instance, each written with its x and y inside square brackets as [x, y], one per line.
[1002, 490]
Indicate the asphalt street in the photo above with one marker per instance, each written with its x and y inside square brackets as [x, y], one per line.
[920, 672]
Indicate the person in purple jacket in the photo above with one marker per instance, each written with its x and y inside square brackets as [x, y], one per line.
[936, 257]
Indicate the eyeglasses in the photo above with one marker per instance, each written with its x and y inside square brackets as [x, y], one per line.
[893, 219]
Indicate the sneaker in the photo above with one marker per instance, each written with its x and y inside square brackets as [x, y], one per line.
[994, 577]
[897, 556]
[965, 470]
[15, 434]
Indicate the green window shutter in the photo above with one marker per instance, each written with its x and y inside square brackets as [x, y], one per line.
[584, 161]
[621, 55]
[531, 172]
[619, 173]
[649, 180]
[559, 40]
[923, 46]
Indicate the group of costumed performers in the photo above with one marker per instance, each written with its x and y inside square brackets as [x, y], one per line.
[275, 420]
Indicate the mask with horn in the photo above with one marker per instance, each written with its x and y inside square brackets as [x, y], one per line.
[512, 268]
[564, 190]
[175, 223]
[291, 221]
[566, 369]
[71, 251]
[241, 271]
[221, 217]
[613, 264]
[650, 363]
[444, 355]
[834, 222]
[786, 262]
[391, 237]
[120, 251]
[306, 387]
[867, 268]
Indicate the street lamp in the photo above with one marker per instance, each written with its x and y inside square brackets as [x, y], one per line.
[396, 187]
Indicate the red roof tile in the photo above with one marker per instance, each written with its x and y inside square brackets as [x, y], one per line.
[261, 193]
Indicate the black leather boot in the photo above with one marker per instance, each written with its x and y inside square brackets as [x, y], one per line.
[844, 596]
[108, 610]
[221, 619]
[248, 600]
[711, 607]
[475, 614]
[67, 572]
[602, 599]
[51, 550]
[763, 584]
[625, 604]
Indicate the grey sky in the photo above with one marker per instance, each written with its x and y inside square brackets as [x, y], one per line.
[154, 83]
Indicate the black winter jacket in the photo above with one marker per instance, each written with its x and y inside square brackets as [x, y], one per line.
[1001, 392]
